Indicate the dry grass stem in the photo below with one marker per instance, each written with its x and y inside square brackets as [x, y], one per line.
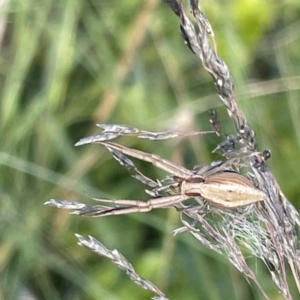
[116, 257]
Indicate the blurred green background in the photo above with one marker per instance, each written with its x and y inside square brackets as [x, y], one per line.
[67, 65]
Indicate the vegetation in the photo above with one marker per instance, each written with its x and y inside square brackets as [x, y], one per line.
[69, 65]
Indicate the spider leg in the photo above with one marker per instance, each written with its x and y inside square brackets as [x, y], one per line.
[130, 206]
[154, 159]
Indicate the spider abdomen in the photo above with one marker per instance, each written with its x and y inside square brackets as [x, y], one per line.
[226, 189]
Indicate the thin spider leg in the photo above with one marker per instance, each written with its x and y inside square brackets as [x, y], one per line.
[171, 187]
[154, 159]
[131, 206]
[216, 167]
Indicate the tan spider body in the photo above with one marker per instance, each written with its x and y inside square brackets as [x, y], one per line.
[222, 189]
[228, 189]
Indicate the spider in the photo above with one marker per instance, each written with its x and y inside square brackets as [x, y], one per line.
[224, 189]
